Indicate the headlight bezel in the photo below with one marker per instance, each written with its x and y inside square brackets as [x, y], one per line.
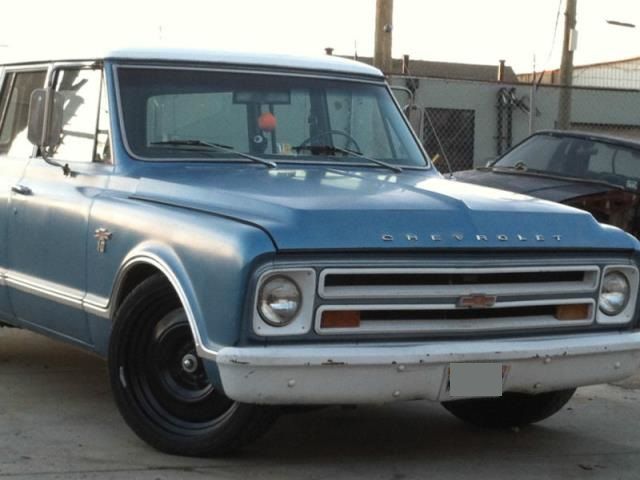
[626, 314]
[305, 279]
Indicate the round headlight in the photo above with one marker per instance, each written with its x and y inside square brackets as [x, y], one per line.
[279, 301]
[614, 294]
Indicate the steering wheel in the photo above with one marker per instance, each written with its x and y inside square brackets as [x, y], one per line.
[351, 140]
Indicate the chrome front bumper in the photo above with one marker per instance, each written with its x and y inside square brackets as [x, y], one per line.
[354, 374]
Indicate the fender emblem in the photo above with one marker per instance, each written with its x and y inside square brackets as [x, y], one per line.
[102, 235]
[477, 301]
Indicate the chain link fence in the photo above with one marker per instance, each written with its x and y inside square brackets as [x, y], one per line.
[464, 124]
[449, 134]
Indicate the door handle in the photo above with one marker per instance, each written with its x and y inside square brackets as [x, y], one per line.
[21, 190]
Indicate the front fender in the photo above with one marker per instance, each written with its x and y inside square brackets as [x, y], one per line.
[207, 259]
[165, 259]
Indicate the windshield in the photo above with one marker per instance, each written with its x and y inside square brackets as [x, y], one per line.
[276, 117]
[576, 157]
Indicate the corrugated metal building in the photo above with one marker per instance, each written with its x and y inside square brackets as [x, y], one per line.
[619, 74]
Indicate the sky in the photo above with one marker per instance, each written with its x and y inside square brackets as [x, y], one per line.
[465, 31]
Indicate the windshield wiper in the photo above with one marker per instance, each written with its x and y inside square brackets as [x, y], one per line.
[331, 150]
[518, 167]
[217, 147]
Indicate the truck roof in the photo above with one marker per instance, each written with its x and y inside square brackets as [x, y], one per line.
[320, 62]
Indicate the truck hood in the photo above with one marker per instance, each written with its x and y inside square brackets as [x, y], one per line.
[318, 208]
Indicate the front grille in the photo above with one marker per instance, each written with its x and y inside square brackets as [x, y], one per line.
[439, 282]
[455, 300]
[424, 279]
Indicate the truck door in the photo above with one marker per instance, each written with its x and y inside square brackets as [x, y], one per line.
[15, 151]
[48, 232]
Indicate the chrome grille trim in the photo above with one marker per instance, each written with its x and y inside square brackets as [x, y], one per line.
[430, 300]
[588, 284]
[478, 324]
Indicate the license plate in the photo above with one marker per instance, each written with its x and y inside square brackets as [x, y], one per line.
[476, 379]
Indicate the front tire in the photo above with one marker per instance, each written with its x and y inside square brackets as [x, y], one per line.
[160, 385]
[510, 410]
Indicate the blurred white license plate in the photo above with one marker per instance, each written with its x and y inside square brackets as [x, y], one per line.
[476, 379]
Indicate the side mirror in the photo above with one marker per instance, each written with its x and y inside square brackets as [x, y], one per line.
[45, 118]
[400, 92]
[45, 123]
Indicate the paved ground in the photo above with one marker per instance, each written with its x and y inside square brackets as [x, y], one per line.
[57, 421]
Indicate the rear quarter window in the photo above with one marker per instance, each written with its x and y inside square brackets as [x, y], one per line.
[14, 110]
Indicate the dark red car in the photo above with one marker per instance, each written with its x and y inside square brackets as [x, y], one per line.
[597, 173]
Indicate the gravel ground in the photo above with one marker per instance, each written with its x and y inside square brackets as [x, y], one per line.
[58, 421]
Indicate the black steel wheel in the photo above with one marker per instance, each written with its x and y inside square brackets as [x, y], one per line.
[160, 385]
[510, 410]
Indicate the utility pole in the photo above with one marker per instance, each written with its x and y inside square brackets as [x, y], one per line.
[532, 100]
[384, 29]
[566, 67]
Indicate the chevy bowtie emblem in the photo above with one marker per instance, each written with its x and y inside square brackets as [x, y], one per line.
[102, 235]
[477, 301]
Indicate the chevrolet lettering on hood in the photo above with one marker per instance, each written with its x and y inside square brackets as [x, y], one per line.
[271, 232]
[437, 237]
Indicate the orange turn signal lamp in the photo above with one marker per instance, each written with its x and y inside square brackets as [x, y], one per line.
[574, 311]
[340, 319]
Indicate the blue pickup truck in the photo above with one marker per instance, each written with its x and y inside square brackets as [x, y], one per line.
[236, 233]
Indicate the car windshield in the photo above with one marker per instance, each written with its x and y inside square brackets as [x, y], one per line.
[170, 113]
[576, 157]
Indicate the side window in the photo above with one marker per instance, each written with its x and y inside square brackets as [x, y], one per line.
[627, 163]
[5, 134]
[80, 89]
[14, 111]
[103, 147]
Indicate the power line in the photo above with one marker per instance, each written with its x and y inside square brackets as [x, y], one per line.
[555, 33]
[553, 43]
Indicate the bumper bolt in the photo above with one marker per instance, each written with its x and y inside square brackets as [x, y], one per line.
[617, 365]
[291, 383]
[396, 394]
